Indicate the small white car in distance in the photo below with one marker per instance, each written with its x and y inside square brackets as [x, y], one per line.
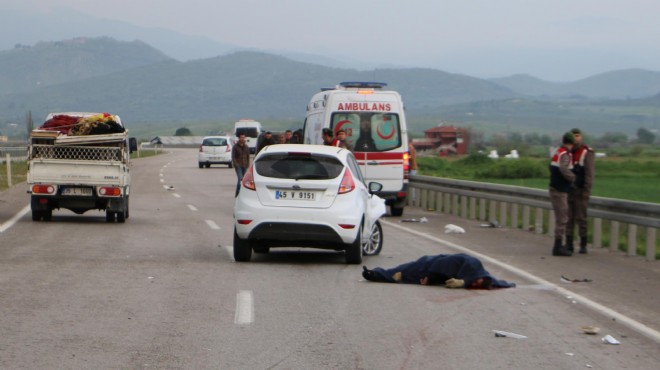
[296, 195]
[214, 150]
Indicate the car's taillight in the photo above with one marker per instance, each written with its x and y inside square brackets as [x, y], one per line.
[406, 165]
[347, 184]
[248, 179]
[109, 191]
[43, 189]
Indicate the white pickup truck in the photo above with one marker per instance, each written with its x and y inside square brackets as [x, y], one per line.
[80, 163]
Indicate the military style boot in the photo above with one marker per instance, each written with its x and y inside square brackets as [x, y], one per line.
[583, 244]
[569, 243]
[560, 250]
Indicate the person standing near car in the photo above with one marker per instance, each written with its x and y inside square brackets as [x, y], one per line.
[578, 199]
[326, 135]
[561, 183]
[240, 159]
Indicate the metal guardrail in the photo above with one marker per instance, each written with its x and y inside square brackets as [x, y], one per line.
[17, 153]
[502, 203]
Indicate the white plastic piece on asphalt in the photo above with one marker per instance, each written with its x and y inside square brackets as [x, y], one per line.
[606, 311]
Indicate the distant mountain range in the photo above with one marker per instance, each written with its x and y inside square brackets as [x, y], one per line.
[142, 84]
[624, 84]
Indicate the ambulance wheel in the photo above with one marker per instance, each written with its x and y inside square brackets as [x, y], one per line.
[354, 250]
[36, 216]
[396, 211]
[242, 249]
[374, 244]
[47, 215]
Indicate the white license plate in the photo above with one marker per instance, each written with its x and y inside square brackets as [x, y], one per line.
[294, 195]
[77, 191]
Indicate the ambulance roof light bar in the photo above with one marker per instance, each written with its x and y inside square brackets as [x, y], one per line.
[359, 84]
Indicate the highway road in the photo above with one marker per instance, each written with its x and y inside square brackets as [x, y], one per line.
[162, 292]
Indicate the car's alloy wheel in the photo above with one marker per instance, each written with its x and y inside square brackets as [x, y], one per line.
[242, 249]
[373, 245]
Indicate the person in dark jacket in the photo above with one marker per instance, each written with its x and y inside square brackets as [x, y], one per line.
[264, 141]
[561, 183]
[451, 270]
[578, 199]
[240, 159]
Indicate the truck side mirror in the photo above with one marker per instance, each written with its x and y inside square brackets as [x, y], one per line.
[132, 145]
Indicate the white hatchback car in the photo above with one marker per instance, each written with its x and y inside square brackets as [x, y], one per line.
[296, 195]
[214, 150]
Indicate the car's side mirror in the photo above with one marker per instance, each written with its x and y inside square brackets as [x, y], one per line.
[132, 144]
[375, 187]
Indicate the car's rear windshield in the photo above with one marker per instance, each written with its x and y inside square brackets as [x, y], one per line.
[247, 131]
[218, 141]
[299, 166]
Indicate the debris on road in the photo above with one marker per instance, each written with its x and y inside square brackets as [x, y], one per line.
[589, 329]
[421, 220]
[492, 224]
[567, 280]
[500, 333]
[453, 229]
[610, 340]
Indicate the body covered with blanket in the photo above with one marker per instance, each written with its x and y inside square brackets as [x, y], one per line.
[452, 270]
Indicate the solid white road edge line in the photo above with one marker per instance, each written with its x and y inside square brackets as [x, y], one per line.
[244, 308]
[14, 219]
[212, 225]
[631, 323]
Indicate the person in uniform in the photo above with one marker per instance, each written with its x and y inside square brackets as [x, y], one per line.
[578, 199]
[561, 183]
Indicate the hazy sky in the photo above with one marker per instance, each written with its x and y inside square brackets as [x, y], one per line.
[552, 39]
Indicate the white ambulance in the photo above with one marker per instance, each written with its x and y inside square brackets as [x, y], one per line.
[375, 125]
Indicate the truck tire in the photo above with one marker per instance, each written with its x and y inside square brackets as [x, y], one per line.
[121, 217]
[201, 165]
[109, 216]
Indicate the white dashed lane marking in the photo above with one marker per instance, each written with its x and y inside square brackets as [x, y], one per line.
[192, 208]
[244, 308]
[212, 225]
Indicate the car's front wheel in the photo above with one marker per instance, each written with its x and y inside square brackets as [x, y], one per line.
[373, 245]
[354, 250]
[242, 249]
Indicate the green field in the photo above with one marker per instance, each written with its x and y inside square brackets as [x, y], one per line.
[627, 178]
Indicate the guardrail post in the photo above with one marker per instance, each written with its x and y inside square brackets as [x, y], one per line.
[525, 220]
[8, 162]
[597, 233]
[538, 221]
[423, 196]
[514, 216]
[503, 207]
[464, 206]
[447, 203]
[438, 202]
[473, 208]
[492, 211]
[632, 240]
[454, 205]
[614, 236]
[650, 243]
[482, 209]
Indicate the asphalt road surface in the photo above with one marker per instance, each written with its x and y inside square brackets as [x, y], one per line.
[162, 292]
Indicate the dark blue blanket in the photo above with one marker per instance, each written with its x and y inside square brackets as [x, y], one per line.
[438, 269]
